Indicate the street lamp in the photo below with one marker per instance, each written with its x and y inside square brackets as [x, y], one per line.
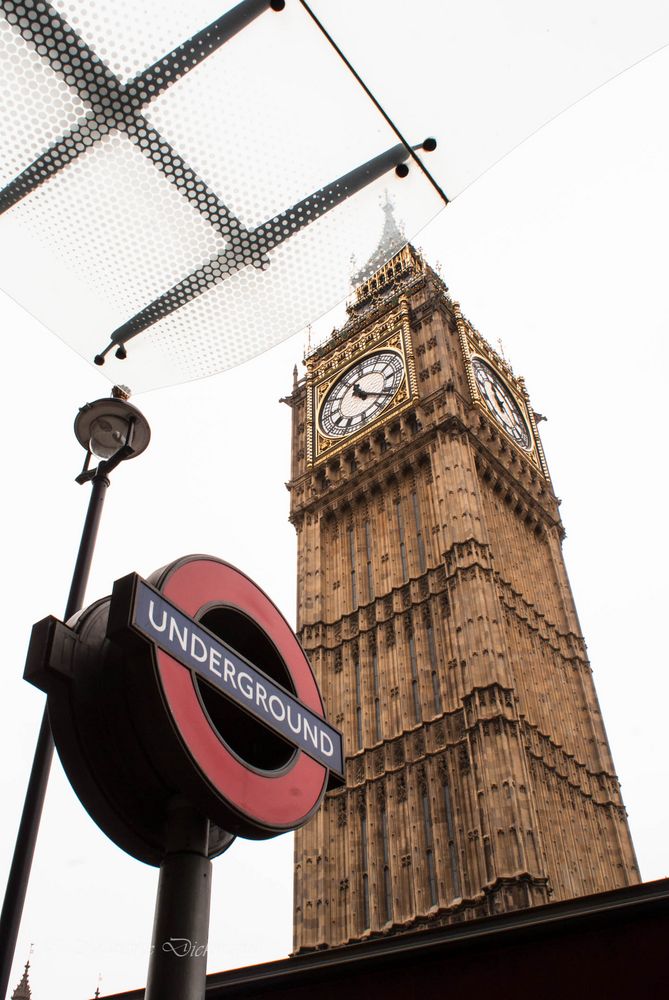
[110, 430]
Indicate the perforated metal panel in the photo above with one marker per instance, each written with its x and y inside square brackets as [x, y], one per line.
[183, 182]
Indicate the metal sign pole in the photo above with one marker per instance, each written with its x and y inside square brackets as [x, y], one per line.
[19, 873]
[178, 962]
[137, 435]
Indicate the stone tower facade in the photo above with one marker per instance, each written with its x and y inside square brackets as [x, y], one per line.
[434, 604]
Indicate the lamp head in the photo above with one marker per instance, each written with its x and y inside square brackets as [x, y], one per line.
[105, 426]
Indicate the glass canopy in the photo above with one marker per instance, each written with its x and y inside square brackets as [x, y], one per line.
[184, 185]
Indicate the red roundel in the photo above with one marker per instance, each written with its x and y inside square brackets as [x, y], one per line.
[274, 800]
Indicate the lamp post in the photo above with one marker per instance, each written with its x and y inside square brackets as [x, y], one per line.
[111, 430]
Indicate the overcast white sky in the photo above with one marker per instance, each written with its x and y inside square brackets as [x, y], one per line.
[560, 252]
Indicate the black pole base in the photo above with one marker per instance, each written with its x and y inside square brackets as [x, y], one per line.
[178, 962]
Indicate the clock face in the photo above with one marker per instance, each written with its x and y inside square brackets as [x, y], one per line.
[361, 393]
[500, 401]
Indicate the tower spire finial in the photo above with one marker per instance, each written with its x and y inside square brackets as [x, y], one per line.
[392, 239]
[22, 991]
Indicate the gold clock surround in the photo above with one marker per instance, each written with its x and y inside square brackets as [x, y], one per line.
[322, 374]
[474, 346]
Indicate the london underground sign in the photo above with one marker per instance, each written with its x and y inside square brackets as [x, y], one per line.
[198, 649]
[190, 683]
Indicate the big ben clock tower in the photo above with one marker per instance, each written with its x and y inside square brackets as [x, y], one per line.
[435, 607]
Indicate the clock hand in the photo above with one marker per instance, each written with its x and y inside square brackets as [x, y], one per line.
[370, 392]
[501, 399]
[360, 393]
